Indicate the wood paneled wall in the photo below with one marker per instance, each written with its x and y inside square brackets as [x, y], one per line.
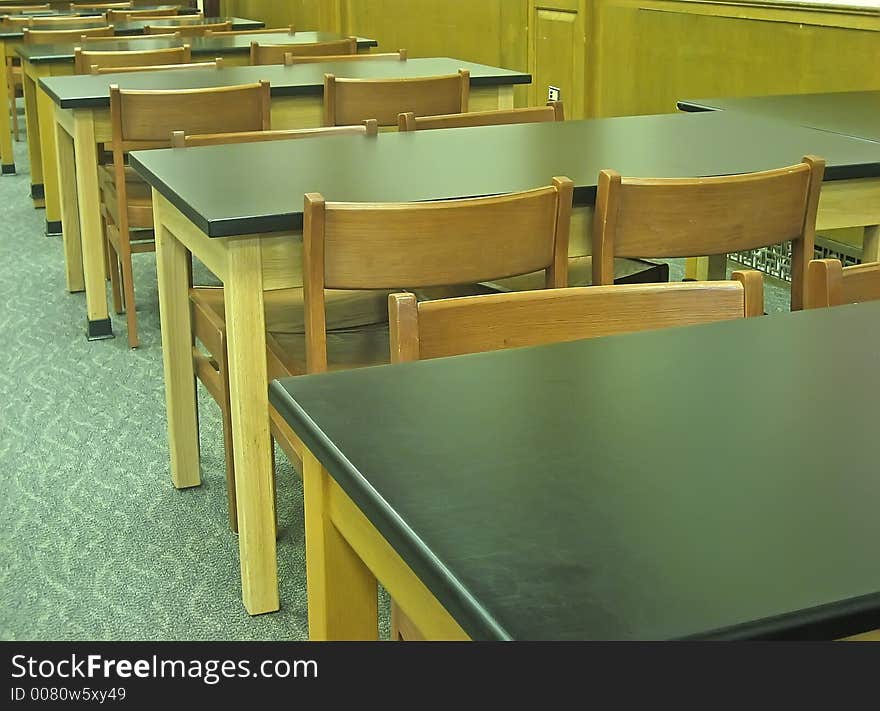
[615, 57]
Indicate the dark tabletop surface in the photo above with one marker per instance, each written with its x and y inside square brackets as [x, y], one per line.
[851, 113]
[137, 27]
[236, 44]
[209, 186]
[710, 482]
[86, 91]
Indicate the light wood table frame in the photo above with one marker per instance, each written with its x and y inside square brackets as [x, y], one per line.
[345, 557]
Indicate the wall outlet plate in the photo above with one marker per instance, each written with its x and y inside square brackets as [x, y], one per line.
[553, 93]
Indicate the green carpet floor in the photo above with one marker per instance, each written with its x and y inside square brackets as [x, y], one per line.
[96, 544]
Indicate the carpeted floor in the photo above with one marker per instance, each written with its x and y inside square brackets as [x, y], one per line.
[96, 544]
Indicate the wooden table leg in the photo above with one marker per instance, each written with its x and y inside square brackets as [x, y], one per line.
[871, 244]
[69, 209]
[712, 268]
[7, 159]
[249, 389]
[33, 133]
[46, 119]
[342, 591]
[172, 267]
[91, 236]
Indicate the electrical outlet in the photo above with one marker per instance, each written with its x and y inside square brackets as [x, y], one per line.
[553, 93]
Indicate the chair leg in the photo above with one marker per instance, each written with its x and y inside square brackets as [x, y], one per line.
[128, 291]
[113, 268]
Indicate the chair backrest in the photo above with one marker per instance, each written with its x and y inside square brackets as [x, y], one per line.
[65, 21]
[130, 39]
[187, 30]
[443, 243]
[829, 283]
[147, 14]
[262, 54]
[63, 36]
[553, 111]
[87, 61]
[180, 140]
[264, 31]
[472, 324]
[348, 101]
[217, 63]
[85, 6]
[673, 217]
[146, 119]
[290, 59]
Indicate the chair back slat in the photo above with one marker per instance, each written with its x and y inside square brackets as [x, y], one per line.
[291, 59]
[670, 217]
[263, 54]
[86, 61]
[829, 283]
[471, 324]
[553, 111]
[350, 101]
[139, 117]
[64, 36]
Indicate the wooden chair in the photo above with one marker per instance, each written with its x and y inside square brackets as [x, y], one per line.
[187, 30]
[350, 101]
[553, 111]
[829, 283]
[291, 59]
[65, 21]
[146, 14]
[449, 327]
[338, 319]
[216, 63]
[143, 120]
[682, 217]
[284, 307]
[65, 36]
[265, 31]
[262, 54]
[92, 61]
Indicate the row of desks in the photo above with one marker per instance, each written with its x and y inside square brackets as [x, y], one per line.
[81, 111]
[248, 233]
[49, 60]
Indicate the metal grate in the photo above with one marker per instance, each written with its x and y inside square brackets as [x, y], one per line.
[776, 260]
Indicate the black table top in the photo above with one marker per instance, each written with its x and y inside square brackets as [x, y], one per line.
[137, 27]
[710, 482]
[236, 44]
[207, 184]
[851, 113]
[73, 92]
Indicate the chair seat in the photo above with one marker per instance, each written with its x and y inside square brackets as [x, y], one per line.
[285, 310]
[346, 348]
[580, 273]
[139, 194]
